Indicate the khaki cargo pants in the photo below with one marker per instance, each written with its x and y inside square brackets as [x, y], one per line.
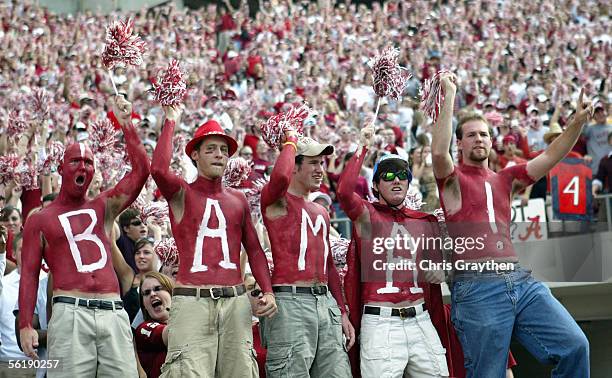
[304, 339]
[210, 338]
[90, 342]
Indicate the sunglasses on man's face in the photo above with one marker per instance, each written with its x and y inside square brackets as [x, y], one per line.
[390, 176]
[147, 292]
[255, 293]
[136, 222]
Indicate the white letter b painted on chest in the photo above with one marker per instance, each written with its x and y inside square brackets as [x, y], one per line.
[85, 235]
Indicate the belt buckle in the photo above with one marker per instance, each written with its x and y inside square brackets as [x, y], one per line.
[212, 293]
[316, 290]
[403, 313]
[93, 303]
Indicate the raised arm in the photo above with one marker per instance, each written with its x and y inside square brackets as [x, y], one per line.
[350, 202]
[281, 174]
[126, 190]
[168, 183]
[442, 133]
[122, 269]
[542, 164]
[31, 260]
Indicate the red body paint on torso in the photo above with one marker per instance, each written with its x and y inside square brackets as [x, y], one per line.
[216, 222]
[485, 209]
[383, 222]
[80, 257]
[212, 226]
[300, 242]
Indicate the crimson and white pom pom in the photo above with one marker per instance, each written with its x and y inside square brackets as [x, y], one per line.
[274, 128]
[236, 172]
[54, 158]
[157, 212]
[268, 254]
[339, 249]
[390, 79]
[122, 47]
[8, 164]
[17, 124]
[170, 86]
[103, 136]
[494, 118]
[414, 198]
[167, 252]
[439, 214]
[40, 103]
[432, 96]
[26, 175]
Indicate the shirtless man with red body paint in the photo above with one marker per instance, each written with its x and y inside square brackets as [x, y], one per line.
[305, 337]
[89, 332]
[492, 305]
[210, 319]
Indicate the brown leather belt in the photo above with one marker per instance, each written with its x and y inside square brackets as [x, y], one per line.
[213, 292]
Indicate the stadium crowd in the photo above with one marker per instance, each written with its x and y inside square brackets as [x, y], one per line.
[521, 64]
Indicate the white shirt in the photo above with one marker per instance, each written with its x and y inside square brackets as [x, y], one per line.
[2, 267]
[9, 349]
[41, 311]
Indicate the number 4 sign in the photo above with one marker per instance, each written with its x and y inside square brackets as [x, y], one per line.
[571, 190]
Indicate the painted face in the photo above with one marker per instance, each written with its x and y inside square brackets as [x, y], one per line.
[144, 258]
[211, 157]
[77, 169]
[156, 299]
[310, 172]
[476, 141]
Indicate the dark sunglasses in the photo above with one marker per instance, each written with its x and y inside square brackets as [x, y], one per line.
[158, 288]
[255, 293]
[137, 222]
[390, 176]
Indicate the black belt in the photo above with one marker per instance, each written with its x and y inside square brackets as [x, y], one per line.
[408, 312]
[90, 303]
[213, 292]
[314, 290]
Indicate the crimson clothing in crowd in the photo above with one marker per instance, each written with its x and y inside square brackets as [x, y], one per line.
[260, 351]
[604, 173]
[150, 347]
[30, 199]
[503, 160]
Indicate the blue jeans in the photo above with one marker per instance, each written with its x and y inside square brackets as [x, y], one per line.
[489, 308]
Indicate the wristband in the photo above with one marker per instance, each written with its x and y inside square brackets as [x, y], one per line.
[292, 144]
[271, 293]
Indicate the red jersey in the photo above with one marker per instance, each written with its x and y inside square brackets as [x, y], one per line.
[384, 223]
[150, 347]
[300, 238]
[484, 217]
[216, 222]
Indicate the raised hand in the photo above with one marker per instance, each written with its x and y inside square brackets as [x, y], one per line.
[122, 109]
[584, 110]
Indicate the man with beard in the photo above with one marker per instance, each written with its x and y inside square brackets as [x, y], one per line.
[397, 333]
[492, 305]
[89, 333]
[305, 337]
[210, 321]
